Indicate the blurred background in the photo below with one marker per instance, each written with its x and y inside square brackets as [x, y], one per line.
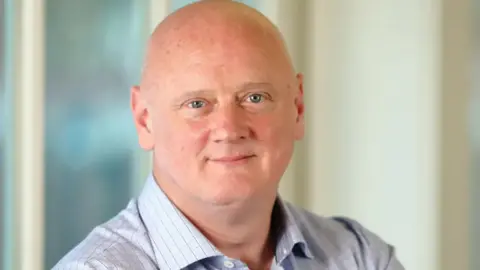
[393, 120]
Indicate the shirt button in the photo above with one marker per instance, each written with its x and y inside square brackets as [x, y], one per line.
[228, 264]
[284, 251]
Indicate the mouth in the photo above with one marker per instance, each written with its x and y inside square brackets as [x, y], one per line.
[231, 160]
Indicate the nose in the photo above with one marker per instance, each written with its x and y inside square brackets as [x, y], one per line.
[229, 124]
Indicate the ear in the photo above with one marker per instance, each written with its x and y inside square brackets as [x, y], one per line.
[141, 118]
[300, 109]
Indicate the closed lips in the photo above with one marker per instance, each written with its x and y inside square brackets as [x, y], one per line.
[231, 158]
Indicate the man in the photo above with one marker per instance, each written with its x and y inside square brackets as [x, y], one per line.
[220, 106]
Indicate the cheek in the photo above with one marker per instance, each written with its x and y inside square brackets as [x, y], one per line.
[182, 139]
[275, 128]
[277, 136]
[199, 132]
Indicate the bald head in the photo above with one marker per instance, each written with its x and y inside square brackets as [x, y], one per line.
[217, 30]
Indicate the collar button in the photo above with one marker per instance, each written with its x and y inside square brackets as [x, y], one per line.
[228, 264]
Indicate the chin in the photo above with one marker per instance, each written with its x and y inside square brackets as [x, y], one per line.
[228, 195]
[229, 187]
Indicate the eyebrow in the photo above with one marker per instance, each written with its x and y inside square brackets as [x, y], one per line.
[193, 94]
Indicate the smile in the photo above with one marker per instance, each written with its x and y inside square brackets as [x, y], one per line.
[232, 160]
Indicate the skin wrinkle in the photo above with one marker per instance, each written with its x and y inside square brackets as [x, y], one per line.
[220, 47]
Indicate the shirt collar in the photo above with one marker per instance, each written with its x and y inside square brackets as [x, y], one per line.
[290, 237]
[177, 243]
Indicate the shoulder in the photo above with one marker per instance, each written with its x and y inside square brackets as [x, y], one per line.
[120, 243]
[337, 238]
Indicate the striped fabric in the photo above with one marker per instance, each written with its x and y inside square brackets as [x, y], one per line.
[151, 233]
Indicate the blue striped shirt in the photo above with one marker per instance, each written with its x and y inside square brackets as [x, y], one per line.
[151, 233]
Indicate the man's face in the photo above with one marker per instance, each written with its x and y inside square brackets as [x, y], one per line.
[224, 119]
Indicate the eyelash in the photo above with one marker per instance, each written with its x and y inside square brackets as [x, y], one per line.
[248, 97]
[189, 103]
[265, 96]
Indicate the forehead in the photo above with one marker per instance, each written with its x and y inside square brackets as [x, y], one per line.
[216, 51]
[230, 62]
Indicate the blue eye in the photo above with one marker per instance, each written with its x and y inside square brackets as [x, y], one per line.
[196, 104]
[255, 98]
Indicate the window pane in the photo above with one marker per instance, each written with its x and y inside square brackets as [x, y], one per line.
[475, 135]
[2, 128]
[94, 51]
